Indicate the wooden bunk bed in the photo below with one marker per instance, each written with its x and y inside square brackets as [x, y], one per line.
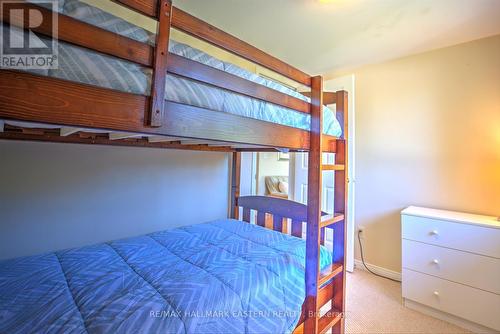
[88, 114]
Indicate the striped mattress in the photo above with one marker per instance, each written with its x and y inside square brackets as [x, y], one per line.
[224, 276]
[89, 67]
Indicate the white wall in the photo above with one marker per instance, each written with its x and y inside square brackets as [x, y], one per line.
[247, 175]
[55, 196]
[427, 134]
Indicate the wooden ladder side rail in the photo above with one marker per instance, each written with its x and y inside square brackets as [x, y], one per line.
[329, 285]
[340, 206]
[235, 185]
[314, 182]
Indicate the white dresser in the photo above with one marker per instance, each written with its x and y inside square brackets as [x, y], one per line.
[451, 266]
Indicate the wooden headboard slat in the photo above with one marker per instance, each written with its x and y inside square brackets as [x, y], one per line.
[276, 206]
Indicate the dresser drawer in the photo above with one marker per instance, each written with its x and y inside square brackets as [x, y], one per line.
[466, 237]
[478, 271]
[460, 300]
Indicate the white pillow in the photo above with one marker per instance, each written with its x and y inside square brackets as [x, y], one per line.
[283, 187]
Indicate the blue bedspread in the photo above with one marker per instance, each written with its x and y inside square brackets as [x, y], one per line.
[224, 276]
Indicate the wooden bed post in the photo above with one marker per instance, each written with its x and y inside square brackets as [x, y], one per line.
[157, 107]
[235, 185]
[314, 207]
[340, 206]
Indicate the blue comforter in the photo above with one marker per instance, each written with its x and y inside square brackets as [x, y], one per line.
[224, 276]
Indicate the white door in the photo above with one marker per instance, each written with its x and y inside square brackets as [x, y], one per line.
[298, 172]
[298, 180]
[248, 177]
[298, 166]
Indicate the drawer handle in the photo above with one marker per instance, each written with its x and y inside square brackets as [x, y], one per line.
[436, 293]
[434, 232]
[435, 261]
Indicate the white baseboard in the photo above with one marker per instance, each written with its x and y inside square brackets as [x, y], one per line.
[378, 270]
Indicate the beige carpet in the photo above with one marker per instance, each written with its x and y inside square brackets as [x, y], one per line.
[374, 305]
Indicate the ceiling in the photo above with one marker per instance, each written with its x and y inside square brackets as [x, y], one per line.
[330, 36]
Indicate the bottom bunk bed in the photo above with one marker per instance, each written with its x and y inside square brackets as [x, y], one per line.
[224, 276]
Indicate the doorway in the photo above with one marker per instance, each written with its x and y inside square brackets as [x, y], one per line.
[273, 174]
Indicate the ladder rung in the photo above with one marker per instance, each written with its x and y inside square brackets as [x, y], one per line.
[332, 167]
[329, 320]
[329, 272]
[328, 220]
[299, 329]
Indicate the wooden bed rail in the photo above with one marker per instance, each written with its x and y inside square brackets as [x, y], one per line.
[200, 29]
[146, 7]
[33, 98]
[215, 36]
[194, 70]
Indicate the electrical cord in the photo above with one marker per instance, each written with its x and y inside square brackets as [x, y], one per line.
[363, 260]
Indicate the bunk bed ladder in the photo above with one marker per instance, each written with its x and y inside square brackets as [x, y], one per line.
[325, 287]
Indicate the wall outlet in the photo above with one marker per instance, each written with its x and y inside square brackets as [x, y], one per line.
[361, 229]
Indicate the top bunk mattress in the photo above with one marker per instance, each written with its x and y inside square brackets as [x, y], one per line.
[86, 66]
[225, 276]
